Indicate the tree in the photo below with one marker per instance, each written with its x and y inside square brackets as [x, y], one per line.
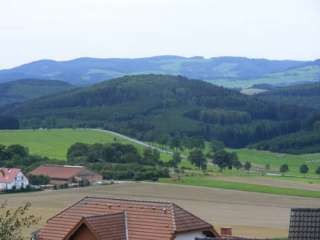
[175, 143]
[176, 159]
[318, 170]
[9, 123]
[223, 159]
[151, 156]
[237, 164]
[216, 145]
[13, 222]
[268, 166]
[247, 166]
[39, 179]
[17, 150]
[77, 151]
[304, 169]
[284, 168]
[197, 158]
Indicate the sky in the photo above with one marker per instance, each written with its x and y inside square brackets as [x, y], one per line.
[66, 29]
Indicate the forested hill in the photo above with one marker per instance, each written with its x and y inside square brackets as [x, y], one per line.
[307, 95]
[26, 89]
[222, 70]
[161, 108]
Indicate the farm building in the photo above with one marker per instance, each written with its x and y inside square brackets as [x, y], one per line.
[12, 178]
[59, 174]
[97, 218]
[304, 224]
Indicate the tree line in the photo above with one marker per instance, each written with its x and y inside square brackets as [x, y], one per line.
[119, 161]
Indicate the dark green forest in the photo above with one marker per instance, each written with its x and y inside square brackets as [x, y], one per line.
[162, 108]
[306, 95]
[26, 89]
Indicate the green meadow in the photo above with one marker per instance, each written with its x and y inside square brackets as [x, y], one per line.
[205, 181]
[54, 143]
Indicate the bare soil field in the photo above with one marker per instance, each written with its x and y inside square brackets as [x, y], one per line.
[249, 214]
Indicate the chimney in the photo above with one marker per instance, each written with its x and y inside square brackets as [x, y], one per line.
[226, 231]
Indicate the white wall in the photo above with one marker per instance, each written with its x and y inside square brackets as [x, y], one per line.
[20, 182]
[189, 236]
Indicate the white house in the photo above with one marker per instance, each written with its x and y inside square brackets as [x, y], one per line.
[12, 178]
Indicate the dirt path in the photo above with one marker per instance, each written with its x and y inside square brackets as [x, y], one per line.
[271, 182]
[250, 214]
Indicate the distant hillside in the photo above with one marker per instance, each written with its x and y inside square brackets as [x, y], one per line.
[22, 90]
[295, 143]
[307, 95]
[226, 71]
[160, 108]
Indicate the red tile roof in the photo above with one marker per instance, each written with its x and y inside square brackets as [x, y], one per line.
[8, 175]
[58, 172]
[109, 227]
[145, 220]
[104, 227]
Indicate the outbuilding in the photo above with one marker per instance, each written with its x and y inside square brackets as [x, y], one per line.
[61, 174]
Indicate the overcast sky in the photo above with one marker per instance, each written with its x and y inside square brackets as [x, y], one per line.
[66, 29]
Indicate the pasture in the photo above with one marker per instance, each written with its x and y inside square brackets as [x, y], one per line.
[275, 160]
[54, 143]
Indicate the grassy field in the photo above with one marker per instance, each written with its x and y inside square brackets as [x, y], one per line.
[261, 158]
[241, 186]
[54, 143]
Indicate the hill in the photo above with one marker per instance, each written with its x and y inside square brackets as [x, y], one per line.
[26, 89]
[307, 95]
[161, 108]
[295, 143]
[226, 71]
[307, 73]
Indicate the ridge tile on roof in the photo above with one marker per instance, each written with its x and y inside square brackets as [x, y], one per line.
[146, 220]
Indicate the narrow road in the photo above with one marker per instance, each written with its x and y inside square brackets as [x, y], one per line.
[132, 140]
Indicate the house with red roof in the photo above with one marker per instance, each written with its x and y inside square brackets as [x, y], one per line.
[60, 174]
[12, 178]
[99, 218]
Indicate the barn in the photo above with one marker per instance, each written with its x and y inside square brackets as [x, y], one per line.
[61, 174]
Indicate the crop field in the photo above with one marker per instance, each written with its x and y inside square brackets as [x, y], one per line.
[249, 214]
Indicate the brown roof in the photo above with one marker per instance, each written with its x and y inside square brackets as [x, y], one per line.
[304, 224]
[104, 227]
[146, 220]
[58, 172]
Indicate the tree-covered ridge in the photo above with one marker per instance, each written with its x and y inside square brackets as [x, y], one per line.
[161, 108]
[26, 89]
[307, 95]
[295, 143]
[92, 70]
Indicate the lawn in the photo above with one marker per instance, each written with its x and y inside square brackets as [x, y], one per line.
[54, 143]
[206, 181]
